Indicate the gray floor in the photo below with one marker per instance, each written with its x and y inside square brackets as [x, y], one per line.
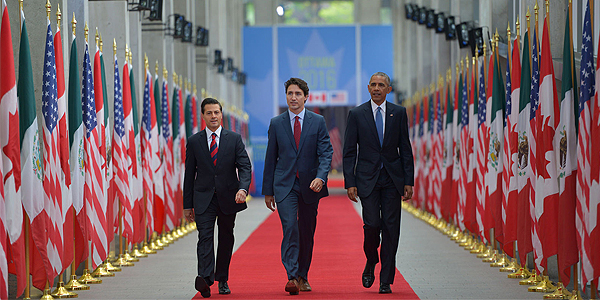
[435, 267]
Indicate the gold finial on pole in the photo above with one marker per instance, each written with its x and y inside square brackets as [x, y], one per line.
[174, 78]
[474, 60]
[146, 64]
[462, 64]
[73, 24]
[58, 15]
[97, 37]
[547, 8]
[528, 17]
[456, 70]
[180, 81]
[156, 68]
[195, 89]
[484, 50]
[496, 40]
[86, 31]
[21, 4]
[101, 43]
[518, 29]
[115, 46]
[165, 73]
[48, 8]
[508, 55]
[126, 53]
[536, 9]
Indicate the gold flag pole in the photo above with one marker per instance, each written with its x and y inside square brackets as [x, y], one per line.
[147, 249]
[47, 295]
[26, 294]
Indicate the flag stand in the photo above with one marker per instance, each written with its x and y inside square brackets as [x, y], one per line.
[74, 284]
[61, 291]
[87, 278]
[544, 285]
[146, 249]
[47, 295]
[521, 271]
[27, 282]
[122, 260]
[561, 292]
[576, 294]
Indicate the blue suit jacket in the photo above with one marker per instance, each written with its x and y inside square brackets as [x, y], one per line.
[311, 159]
[395, 154]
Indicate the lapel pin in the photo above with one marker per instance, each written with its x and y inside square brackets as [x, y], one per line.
[391, 115]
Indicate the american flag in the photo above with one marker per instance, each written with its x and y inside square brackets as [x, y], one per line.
[95, 202]
[436, 174]
[167, 122]
[129, 147]
[511, 140]
[470, 221]
[463, 131]
[120, 178]
[52, 167]
[586, 206]
[481, 153]
[595, 172]
[534, 100]
[147, 153]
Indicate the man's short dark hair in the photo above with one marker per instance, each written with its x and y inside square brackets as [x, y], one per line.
[299, 82]
[210, 101]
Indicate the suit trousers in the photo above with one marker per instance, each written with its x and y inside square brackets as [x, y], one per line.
[205, 249]
[381, 217]
[298, 221]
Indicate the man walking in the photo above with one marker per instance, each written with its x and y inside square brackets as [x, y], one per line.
[212, 191]
[379, 176]
[297, 162]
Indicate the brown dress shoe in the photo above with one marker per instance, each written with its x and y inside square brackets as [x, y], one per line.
[292, 287]
[303, 285]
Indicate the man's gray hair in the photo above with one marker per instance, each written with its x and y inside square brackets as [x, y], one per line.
[387, 78]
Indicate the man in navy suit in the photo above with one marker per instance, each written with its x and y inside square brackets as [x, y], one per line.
[383, 172]
[297, 162]
[217, 177]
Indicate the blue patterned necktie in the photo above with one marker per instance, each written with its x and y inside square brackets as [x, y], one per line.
[379, 125]
[214, 149]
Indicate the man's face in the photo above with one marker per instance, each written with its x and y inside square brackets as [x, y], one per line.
[295, 98]
[212, 116]
[379, 88]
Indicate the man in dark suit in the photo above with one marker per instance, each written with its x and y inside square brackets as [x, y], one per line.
[297, 162]
[212, 191]
[382, 173]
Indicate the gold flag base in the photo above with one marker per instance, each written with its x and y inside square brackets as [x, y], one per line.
[512, 266]
[522, 273]
[493, 258]
[62, 292]
[501, 262]
[532, 280]
[110, 267]
[130, 258]
[165, 240]
[74, 285]
[87, 278]
[170, 237]
[486, 253]
[147, 249]
[575, 295]
[544, 286]
[122, 261]
[466, 241]
[156, 245]
[47, 295]
[479, 248]
[560, 293]
[138, 254]
[102, 272]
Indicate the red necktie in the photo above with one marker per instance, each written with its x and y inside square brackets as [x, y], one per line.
[297, 131]
[214, 149]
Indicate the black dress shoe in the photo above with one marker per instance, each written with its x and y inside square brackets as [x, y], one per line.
[384, 288]
[368, 275]
[224, 288]
[202, 287]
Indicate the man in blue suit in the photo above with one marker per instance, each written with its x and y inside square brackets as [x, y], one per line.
[297, 162]
[382, 173]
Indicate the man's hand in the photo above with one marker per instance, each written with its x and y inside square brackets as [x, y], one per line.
[189, 214]
[316, 185]
[270, 202]
[240, 197]
[352, 194]
[408, 192]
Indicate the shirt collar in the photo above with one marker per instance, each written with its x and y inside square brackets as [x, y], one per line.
[374, 106]
[301, 114]
[218, 131]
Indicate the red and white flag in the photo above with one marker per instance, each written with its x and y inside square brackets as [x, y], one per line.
[128, 147]
[147, 151]
[595, 175]
[167, 153]
[481, 154]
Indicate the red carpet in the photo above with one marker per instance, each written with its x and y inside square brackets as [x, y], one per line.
[338, 261]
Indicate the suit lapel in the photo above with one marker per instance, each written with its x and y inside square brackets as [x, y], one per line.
[223, 142]
[288, 128]
[306, 126]
[390, 114]
[370, 121]
[204, 145]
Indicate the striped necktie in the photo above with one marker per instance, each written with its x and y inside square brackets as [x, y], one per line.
[214, 149]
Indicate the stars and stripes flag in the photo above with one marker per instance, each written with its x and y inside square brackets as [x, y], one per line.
[547, 120]
[10, 150]
[147, 152]
[489, 207]
[120, 178]
[53, 243]
[480, 151]
[182, 144]
[94, 197]
[77, 157]
[470, 220]
[157, 163]
[567, 162]
[456, 143]
[129, 218]
[447, 153]
[587, 206]
[111, 221]
[167, 123]
[31, 159]
[523, 165]
[595, 174]
[426, 144]
[534, 100]
[436, 174]
[510, 150]
[63, 153]
[417, 151]
[463, 141]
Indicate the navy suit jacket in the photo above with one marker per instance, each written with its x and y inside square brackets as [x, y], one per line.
[311, 159]
[203, 179]
[395, 154]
